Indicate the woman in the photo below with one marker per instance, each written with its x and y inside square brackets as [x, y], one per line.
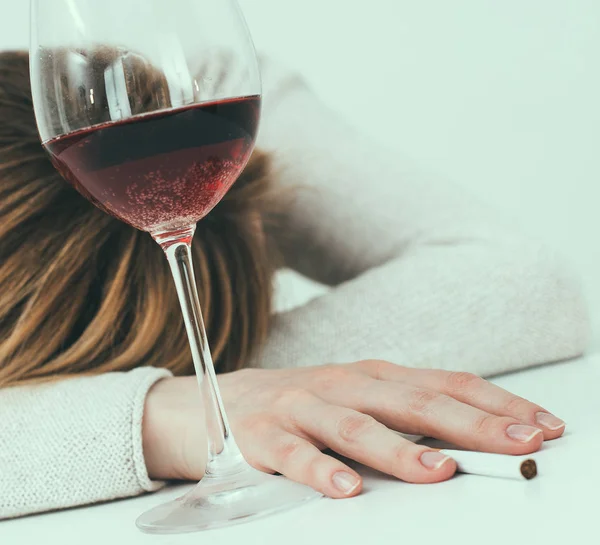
[422, 277]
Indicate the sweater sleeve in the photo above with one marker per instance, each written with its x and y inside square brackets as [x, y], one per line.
[73, 442]
[422, 274]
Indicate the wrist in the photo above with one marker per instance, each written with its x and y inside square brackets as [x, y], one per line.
[172, 427]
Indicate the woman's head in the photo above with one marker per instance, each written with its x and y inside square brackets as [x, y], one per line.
[81, 292]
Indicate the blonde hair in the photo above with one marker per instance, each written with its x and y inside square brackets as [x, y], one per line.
[81, 292]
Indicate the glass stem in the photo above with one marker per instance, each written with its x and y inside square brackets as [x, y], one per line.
[224, 455]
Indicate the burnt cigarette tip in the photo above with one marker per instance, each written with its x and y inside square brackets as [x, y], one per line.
[529, 469]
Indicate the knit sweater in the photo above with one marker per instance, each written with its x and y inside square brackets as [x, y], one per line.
[420, 274]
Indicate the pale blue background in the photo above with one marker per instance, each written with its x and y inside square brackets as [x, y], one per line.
[499, 95]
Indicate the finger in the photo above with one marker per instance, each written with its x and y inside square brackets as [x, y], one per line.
[491, 398]
[361, 438]
[471, 389]
[422, 411]
[303, 462]
[270, 448]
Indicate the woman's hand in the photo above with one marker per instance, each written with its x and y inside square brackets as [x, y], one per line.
[282, 419]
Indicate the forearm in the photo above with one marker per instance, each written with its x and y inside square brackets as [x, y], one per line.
[425, 275]
[75, 442]
[483, 307]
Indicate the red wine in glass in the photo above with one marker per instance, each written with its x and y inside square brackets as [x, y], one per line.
[152, 115]
[161, 171]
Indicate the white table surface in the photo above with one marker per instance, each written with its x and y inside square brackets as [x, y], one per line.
[559, 505]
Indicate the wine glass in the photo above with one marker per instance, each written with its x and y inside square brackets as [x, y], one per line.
[150, 108]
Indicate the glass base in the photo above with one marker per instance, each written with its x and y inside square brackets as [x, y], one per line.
[241, 497]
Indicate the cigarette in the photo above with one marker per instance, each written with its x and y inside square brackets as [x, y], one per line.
[493, 465]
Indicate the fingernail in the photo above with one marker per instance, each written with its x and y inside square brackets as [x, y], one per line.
[549, 421]
[522, 433]
[345, 482]
[432, 459]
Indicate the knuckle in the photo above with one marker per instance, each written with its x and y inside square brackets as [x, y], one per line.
[287, 449]
[517, 405]
[484, 424]
[420, 399]
[286, 397]
[461, 380]
[400, 460]
[335, 372]
[354, 426]
[378, 369]
[329, 377]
